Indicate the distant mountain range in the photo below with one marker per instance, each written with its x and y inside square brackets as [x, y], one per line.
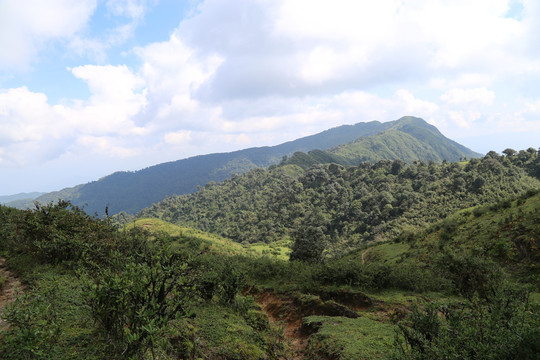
[407, 139]
[22, 197]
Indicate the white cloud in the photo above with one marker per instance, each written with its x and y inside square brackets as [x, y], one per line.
[134, 9]
[480, 96]
[173, 72]
[248, 73]
[105, 145]
[30, 129]
[128, 15]
[26, 26]
[178, 138]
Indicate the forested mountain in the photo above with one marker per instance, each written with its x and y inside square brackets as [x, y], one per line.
[20, 197]
[407, 139]
[348, 206]
[464, 287]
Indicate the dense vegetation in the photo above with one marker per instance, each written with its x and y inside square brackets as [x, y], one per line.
[348, 206]
[93, 292]
[132, 191]
[454, 274]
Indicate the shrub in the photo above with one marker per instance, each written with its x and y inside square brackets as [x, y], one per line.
[503, 326]
[133, 301]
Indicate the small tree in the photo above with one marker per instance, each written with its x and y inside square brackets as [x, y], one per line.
[309, 244]
[134, 300]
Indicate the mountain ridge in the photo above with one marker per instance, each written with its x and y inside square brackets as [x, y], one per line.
[133, 191]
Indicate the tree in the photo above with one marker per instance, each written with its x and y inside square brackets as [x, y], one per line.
[509, 152]
[309, 244]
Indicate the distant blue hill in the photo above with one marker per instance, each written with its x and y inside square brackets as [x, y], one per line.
[348, 144]
[20, 197]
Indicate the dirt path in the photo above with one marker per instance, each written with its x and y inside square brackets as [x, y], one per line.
[282, 311]
[364, 253]
[8, 292]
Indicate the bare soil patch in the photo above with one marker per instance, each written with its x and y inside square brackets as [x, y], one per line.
[10, 289]
[281, 310]
[289, 311]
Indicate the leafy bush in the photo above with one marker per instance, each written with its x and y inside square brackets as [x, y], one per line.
[503, 326]
[134, 301]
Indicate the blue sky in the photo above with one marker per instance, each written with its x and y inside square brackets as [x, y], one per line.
[90, 87]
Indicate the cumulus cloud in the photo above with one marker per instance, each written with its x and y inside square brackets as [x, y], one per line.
[172, 72]
[481, 96]
[248, 73]
[27, 26]
[302, 47]
[32, 130]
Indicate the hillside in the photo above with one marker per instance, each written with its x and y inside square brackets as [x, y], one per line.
[132, 191]
[455, 289]
[347, 206]
[20, 197]
[408, 139]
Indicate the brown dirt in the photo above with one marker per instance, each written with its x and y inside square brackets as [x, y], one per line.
[289, 311]
[281, 310]
[11, 288]
[363, 254]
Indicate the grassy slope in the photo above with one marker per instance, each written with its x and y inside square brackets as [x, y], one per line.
[214, 243]
[497, 232]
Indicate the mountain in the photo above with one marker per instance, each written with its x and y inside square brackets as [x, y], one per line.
[20, 197]
[347, 205]
[133, 191]
[407, 139]
[448, 289]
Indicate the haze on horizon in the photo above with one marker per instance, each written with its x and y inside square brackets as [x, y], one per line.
[90, 87]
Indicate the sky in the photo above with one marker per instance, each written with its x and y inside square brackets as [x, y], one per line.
[90, 87]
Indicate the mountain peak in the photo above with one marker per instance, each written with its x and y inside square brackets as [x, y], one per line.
[412, 139]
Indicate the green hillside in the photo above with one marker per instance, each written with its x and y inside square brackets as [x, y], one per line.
[349, 206]
[408, 139]
[133, 191]
[203, 242]
[452, 273]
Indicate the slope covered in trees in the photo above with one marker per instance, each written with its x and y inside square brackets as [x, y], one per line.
[453, 290]
[132, 191]
[348, 205]
[459, 288]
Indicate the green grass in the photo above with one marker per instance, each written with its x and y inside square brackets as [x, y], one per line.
[208, 242]
[222, 333]
[213, 243]
[343, 338]
[2, 281]
[278, 250]
[50, 320]
[387, 252]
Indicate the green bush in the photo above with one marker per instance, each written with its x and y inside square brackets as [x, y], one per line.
[134, 301]
[503, 326]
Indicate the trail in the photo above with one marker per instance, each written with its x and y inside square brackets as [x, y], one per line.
[8, 292]
[364, 253]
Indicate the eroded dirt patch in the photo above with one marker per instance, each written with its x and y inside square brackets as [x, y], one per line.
[281, 310]
[289, 310]
[10, 289]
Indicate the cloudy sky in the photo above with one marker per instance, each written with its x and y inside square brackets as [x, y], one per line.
[89, 87]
